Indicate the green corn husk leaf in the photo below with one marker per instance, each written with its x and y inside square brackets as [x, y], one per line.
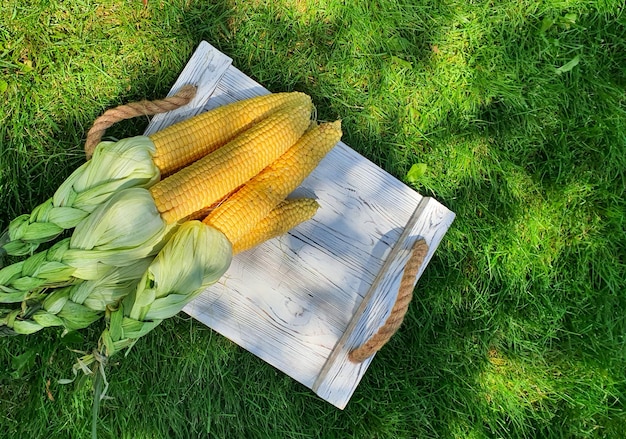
[9, 316]
[38, 232]
[126, 228]
[195, 257]
[40, 212]
[168, 306]
[55, 272]
[8, 295]
[19, 280]
[26, 327]
[76, 316]
[94, 264]
[5, 317]
[56, 309]
[134, 329]
[56, 300]
[66, 217]
[18, 224]
[26, 232]
[128, 219]
[19, 248]
[92, 198]
[106, 343]
[25, 284]
[108, 290]
[122, 332]
[33, 263]
[46, 265]
[114, 166]
[58, 250]
[47, 319]
[88, 266]
[115, 328]
[143, 300]
[11, 272]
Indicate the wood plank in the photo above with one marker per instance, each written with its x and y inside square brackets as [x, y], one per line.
[339, 378]
[205, 69]
[309, 283]
[297, 301]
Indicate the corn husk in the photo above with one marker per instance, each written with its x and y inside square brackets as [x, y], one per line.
[113, 167]
[194, 258]
[56, 310]
[110, 289]
[77, 306]
[121, 231]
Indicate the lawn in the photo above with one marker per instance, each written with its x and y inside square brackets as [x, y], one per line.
[515, 112]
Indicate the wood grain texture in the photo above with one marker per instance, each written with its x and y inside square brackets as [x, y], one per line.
[301, 302]
[340, 377]
[205, 68]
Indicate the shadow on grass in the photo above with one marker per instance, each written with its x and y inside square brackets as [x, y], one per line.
[515, 329]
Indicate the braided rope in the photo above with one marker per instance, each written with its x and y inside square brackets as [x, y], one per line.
[134, 109]
[394, 321]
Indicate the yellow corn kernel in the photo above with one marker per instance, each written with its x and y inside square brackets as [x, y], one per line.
[185, 142]
[202, 213]
[284, 217]
[238, 214]
[214, 176]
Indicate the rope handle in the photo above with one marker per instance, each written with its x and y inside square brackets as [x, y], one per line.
[134, 109]
[394, 321]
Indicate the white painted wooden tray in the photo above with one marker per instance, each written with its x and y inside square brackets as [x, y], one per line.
[303, 301]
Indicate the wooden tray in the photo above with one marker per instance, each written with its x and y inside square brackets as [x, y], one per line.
[303, 301]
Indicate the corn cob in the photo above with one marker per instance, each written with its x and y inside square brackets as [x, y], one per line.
[137, 162]
[202, 213]
[209, 179]
[133, 224]
[187, 141]
[284, 217]
[246, 207]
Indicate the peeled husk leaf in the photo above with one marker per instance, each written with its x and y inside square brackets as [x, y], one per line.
[127, 219]
[76, 316]
[195, 257]
[111, 288]
[114, 167]
[121, 231]
[126, 228]
[56, 309]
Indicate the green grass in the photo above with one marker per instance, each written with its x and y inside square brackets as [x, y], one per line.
[517, 109]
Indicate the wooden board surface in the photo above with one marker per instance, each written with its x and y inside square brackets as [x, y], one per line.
[205, 69]
[301, 302]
